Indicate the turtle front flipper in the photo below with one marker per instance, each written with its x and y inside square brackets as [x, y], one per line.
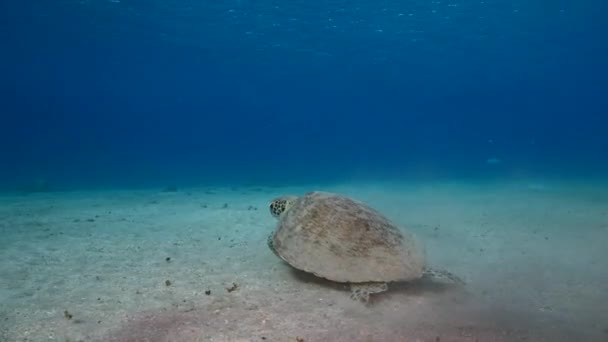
[362, 291]
[442, 275]
[270, 243]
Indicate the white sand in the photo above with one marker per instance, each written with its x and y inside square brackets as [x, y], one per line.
[534, 256]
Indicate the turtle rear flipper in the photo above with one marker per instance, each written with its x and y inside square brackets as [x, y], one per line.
[441, 275]
[361, 291]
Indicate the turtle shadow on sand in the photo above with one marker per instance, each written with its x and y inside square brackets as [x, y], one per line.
[417, 287]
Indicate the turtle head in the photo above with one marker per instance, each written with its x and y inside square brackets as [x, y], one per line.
[281, 204]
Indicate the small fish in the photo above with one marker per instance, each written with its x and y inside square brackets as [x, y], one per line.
[493, 160]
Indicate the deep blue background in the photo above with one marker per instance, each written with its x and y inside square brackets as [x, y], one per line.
[134, 92]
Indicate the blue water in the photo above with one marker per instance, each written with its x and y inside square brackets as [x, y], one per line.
[136, 92]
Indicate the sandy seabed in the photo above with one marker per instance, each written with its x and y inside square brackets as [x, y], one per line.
[193, 265]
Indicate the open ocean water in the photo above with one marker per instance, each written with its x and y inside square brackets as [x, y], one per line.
[141, 142]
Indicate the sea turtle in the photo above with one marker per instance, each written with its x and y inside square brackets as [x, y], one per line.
[345, 241]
